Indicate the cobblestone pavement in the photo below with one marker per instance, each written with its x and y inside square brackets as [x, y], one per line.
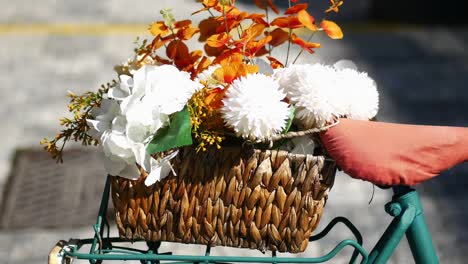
[48, 47]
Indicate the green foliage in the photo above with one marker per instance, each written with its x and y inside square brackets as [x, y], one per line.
[177, 134]
[76, 128]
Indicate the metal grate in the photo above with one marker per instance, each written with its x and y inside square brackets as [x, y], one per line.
[42, 193]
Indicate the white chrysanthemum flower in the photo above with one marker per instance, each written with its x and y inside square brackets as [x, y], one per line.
[361, 94]
[312, 90]
[253, 107]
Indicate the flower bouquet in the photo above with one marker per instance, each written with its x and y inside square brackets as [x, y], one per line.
[216, 146]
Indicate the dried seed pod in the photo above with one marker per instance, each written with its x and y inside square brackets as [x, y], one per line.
[209, 210]
[232, 231]
[196, 229]
[280, 198]
[291, 198]
[130, 218]
[181, 227]
[258, 217]
[209, 230]
[162, 204]
[297, 201]
[222, 210]
[255, 233]
[185, 206]
[142, 220]
[303, 219]
[219, 188]
[219, 229]
[249, 169]
[278, 175]
[285, 220]
[271, 197]
[170, 222]
[234, 214]
[263, 197]
[275, 215]
[253, 198]
[292, 219]
[266, 216]
[304, 245]
[163, 220]
[274, 235]
[243, 229]
[230, 190]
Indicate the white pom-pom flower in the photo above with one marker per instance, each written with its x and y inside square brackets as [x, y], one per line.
[360, 92]
[253, 107]
[312, 90]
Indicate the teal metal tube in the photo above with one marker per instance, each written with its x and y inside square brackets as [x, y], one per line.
[420, 240]
[392, 236]
[212, 259]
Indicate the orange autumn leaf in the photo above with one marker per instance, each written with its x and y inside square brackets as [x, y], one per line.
[272, 6]
[228, 72]
[177, 49]
[161, 60]
[158, 43]
[287, 22]
[258, 18]
[307, 20]
[187, 33]
[334, 6]
[210, 3]
[228, 56]
[218, 40]
[183, 24]
[307, 46]
[202, 65]
[214, 98]
[332, 29]
[255, 48]
[260, 4]
[158, 28]
[295, 9]
[279, 36]
[207, 28]
[212, 51]
[275, 64]
[253, 32]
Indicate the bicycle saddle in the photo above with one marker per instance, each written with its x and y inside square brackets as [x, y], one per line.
[395, 154]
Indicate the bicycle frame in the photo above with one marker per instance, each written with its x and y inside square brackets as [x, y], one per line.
[405, 207]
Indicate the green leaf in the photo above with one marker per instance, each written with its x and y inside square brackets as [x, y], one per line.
[292, 111]
[177, 134]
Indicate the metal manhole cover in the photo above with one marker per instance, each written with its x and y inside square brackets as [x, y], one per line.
[42, 193]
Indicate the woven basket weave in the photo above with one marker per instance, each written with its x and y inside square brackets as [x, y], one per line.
[236, 197]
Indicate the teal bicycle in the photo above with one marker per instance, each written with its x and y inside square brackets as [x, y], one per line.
[439, 148]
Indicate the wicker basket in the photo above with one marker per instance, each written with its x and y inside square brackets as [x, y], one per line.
[237, 197]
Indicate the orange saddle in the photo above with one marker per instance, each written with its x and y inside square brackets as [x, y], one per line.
[395, 154]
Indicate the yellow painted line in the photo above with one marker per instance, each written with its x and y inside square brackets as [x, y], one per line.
[74, 29]
[142, 29]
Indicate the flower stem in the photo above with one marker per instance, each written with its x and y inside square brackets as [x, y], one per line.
[301, 51]
[289, 41]
[268, 21]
